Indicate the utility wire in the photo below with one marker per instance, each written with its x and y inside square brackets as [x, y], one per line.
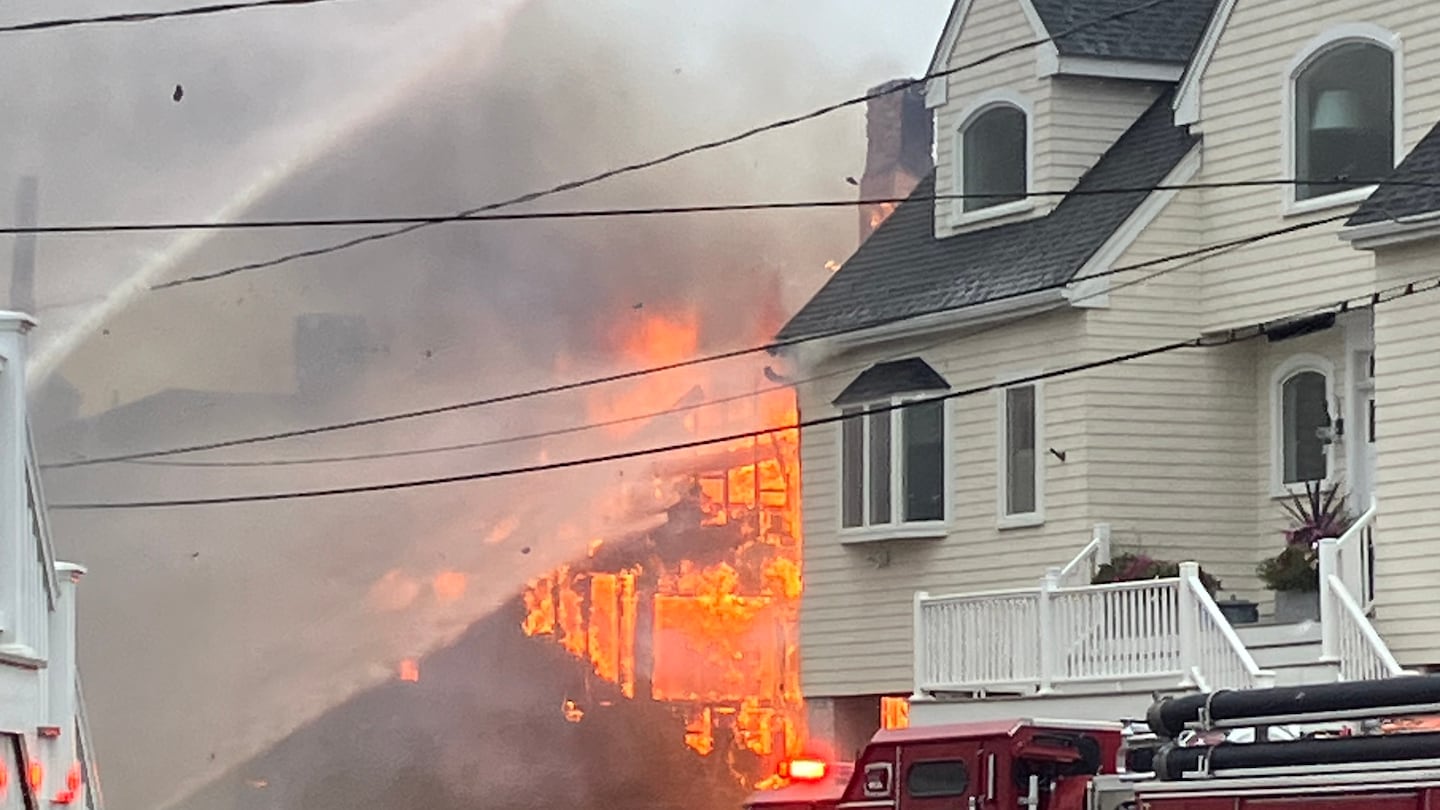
[636, 373]
[589, 426]
[151, 16]
[1237, 335]
[611, 213]
[667, 158]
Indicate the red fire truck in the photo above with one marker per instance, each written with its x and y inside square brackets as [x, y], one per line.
[1185, 757]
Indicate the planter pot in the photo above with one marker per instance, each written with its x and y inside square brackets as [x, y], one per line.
[1294, 607]
[1240, 611]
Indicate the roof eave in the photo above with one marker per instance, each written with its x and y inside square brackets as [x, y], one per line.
[1391, 233]
[989, 312]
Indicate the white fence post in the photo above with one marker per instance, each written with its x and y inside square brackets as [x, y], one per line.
[1189, 624]
[1102, 552]
[920, 650]
[1329, 612]
[1046, 614]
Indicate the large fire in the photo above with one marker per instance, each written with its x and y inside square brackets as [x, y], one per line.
[702, 613]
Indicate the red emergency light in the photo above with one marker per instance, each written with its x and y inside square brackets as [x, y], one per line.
[804, 770]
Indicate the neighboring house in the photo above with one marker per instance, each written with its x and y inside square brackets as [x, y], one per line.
[950, 546]
[45, 754]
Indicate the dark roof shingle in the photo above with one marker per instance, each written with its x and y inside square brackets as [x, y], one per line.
[1165, 32]
[903, 271]
[1422, 165]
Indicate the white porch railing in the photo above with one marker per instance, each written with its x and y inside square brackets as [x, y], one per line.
[1082, 569]
[1347, 595]
[1041, 640]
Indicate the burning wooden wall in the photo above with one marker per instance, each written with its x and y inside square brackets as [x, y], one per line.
[702, 613]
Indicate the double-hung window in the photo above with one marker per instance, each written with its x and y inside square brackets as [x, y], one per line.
[893, 448]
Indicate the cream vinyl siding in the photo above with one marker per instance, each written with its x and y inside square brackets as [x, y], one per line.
[855, 620]
[1075, 119]
[1243, 124]
[1172, 438]
[1407, 391]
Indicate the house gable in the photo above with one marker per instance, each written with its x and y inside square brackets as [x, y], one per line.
[903, 273]
[1077, 75]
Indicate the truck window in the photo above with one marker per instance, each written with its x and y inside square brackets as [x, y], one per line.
[936, 778]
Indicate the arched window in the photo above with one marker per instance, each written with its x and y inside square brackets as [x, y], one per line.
[1302, 395]
[1344, 116]
[994, 157]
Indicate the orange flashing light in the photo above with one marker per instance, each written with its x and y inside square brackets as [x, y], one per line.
[37, 776]
[804, 770]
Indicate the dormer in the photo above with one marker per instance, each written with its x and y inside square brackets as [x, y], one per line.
[1017, 123]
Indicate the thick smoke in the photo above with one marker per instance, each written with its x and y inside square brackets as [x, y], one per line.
[208, 634]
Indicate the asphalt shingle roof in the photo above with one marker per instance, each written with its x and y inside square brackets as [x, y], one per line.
[1165, 32]
[903, 271]
[908, 376]
[1398, 201]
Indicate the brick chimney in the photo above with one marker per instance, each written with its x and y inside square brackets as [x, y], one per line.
[900, 130]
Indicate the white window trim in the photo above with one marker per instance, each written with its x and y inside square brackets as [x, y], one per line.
[1334, 37]
[896, 529]
[1037, 517]
[982, 104]
[1292, 366]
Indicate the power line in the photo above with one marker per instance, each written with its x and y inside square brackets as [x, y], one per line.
[1237, 335]
[611, 213]
[628, 375]
[151, 16]
[582, 428]
[671, 157]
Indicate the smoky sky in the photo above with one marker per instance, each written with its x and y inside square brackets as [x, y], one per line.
[207, 633]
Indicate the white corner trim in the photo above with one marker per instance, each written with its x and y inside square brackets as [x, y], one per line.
[1187, 98]
[1389, 232]
[1288, 368]
[1118, 69]
[1047, 55]
[1003, 385]
[1004, 309]
[957, 216]
[1090, 288]
[1328, 39]
[937, 91]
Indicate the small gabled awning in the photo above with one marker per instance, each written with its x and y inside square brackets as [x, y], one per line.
[884, 380]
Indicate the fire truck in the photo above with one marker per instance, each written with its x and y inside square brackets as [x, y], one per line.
[1344, 745]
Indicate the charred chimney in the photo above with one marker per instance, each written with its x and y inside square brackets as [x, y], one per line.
[900, 131]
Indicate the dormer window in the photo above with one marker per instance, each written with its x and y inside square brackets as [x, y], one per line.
[993, 149]
[993, 158]
[893, 442]
[1345, 116]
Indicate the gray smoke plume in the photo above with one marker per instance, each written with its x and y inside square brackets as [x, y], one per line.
[207, 634]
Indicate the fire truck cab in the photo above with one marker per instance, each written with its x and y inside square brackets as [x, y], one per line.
[1046, 765]
[1208, 751]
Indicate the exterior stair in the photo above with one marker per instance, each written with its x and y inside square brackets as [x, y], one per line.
[1291, 651]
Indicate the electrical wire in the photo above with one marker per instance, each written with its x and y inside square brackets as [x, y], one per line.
[636, 373]
[671, 157]
[151, 16]
[611, 213]
[1236, 335]
[589, 426]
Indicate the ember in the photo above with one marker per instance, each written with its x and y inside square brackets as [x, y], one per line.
[702, 613]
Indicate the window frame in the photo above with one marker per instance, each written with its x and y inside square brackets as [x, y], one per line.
[1286, 370]
[1332, 38]
[1003, 518]
[981, 105]
[897, 528]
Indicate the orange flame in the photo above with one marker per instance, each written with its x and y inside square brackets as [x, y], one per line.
[720, 637]
[410, 671]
